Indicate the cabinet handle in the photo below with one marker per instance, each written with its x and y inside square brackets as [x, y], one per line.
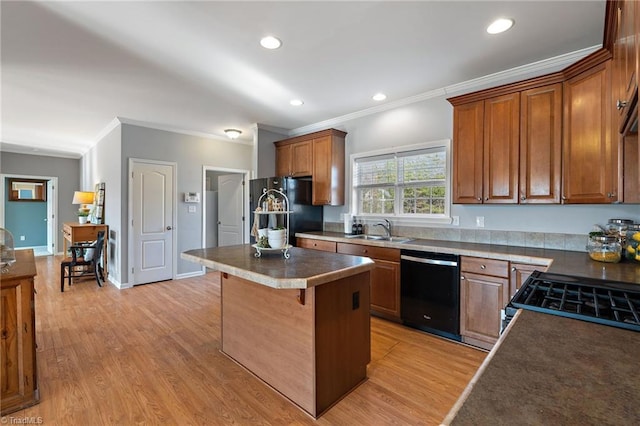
[483, 267]
[620, 104]
[564, 198]
[486, 199]
[479, 199]
[462, 277]
[513, 269]
[522, 198]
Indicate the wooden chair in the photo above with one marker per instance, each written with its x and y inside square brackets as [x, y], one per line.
[92, 264]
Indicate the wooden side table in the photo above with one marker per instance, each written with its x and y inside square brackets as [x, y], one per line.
[75, 232]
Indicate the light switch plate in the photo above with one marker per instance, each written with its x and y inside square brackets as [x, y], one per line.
[480, 221]
[455, 220]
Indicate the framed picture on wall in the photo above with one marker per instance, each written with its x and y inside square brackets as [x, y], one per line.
[97, 215]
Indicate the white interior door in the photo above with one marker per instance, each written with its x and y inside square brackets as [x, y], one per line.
[152, 222]
[230, 211]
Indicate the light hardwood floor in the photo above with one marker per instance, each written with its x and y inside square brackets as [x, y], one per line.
[150, 355]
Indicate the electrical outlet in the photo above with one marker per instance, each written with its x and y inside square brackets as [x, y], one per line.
[192, 209]
[22, 238]
[455, 220]
[480, 221]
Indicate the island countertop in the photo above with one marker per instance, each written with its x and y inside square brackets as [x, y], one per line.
[304, 269]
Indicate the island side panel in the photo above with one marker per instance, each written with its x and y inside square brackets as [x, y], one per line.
[343, 338]
[268, 332]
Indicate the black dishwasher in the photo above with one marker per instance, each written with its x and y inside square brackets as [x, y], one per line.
[430, 292]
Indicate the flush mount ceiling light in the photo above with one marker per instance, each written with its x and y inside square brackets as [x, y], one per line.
[379, 97]
[270, 42]
[232, 133]
[296, 102]
[500, 25]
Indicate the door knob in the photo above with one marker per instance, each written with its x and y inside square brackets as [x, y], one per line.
[169, 228]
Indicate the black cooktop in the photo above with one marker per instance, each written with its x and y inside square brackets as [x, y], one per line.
[604, 302]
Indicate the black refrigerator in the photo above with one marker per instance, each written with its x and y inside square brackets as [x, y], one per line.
[303, 217]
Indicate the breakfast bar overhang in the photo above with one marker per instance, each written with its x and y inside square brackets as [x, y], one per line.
[300, 324]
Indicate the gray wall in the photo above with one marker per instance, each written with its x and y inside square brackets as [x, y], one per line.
[102, 164]
[266, 152]
[67, 170]
[190, 153]
[432, 120]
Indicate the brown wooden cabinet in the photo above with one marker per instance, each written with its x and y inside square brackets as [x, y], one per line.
[506, 149]
[625, 66]
[385, 277]
[314, 244]
[484, 291]
[294, 159]
[590, 161]
[319, 155]
[467, 152]
[518, 274]
[540, 144]
[19, 380]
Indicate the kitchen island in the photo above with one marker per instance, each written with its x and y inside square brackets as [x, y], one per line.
[546, 369]
[300, 324]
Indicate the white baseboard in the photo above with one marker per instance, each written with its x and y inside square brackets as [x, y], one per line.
[189, 275]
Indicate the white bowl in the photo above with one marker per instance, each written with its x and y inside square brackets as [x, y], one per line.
[277, 242]
[262, 232]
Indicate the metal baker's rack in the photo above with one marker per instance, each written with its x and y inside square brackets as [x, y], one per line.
[267, 198]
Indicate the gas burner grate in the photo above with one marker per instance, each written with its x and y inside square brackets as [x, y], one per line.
[610, 303]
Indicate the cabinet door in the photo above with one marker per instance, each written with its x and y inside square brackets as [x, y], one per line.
[283, 160]
[588, 150]
[328, 171]
[467, 153]
[301, 159]
[625, 56]
[540, 144]
[482, 297]
[518, 275]
[385, 288]
[17, 370]
[501, 149]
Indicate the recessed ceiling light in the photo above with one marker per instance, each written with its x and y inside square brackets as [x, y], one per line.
[296, 102]
[270, 42]
[233, 133]
[379, 97]
[500, 25]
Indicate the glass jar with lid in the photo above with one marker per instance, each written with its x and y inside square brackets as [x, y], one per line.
[632, 248]
[604, 248]
[7, 251]
[618, 228]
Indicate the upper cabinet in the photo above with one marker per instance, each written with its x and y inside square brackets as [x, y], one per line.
[624, 20]
[294, 159]
[319, 155]
[543, 140]
[506, 148]
[589, 153]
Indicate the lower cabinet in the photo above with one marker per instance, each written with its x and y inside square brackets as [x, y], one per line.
[484, 291]
[519, 273]
[19, 385]
[314, 244]
[385, 278]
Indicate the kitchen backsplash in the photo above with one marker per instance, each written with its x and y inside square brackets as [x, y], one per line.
[572, 242]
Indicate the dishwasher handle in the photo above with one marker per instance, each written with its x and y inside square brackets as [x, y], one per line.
[429, 261]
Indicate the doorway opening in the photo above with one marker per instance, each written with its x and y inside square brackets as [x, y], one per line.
[32, 223]
[225, 206]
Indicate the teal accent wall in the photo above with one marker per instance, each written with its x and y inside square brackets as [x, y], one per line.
[26, 218]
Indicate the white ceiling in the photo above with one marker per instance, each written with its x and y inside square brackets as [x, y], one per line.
[69, 68]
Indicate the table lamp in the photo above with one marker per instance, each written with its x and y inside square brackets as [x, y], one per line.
[85, 199]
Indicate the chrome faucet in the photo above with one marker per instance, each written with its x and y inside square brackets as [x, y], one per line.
[386, 226]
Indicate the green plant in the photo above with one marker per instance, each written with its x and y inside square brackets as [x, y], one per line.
[278, 228]
[82, 213]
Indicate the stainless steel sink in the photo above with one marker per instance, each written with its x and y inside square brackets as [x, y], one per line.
[380, 238]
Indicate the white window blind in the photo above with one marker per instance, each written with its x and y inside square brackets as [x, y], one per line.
[404, 183]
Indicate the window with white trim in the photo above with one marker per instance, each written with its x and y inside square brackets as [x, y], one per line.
[406, 182]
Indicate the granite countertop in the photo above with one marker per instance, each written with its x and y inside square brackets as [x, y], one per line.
[547, 369]
[559, 261]
[304, 269]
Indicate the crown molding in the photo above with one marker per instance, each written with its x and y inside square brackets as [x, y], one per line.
[555, 63]
[30, 149]
[158, 126]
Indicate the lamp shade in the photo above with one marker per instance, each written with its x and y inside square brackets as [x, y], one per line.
[82, 197]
